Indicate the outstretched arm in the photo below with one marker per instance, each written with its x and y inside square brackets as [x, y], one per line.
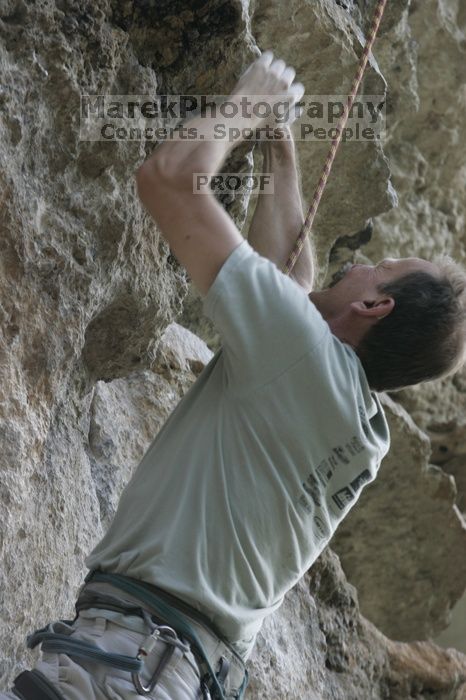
[199, 232]
[278, 217]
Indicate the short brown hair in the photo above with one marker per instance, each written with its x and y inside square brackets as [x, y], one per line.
[424, 336]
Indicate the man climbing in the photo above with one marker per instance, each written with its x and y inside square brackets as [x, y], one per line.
[267, 452]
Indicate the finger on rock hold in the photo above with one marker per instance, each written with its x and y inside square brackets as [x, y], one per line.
[266, 58]
[297, 90]
[278, 66]
[289, 75]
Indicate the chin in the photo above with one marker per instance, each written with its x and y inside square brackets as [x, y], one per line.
[340, 274]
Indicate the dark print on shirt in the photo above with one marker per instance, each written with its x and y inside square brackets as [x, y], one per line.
[303, 501]
[354, 446]
[337, 460]
[322, 529]
[363, 417]
[311, 486]
[340, 453]
[360, 480]
[324, 472]
[343, 496]
[326, 468]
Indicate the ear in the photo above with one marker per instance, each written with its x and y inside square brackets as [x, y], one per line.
[373, 309]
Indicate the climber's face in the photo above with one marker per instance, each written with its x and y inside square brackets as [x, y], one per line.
[361, 281]
[354, 302]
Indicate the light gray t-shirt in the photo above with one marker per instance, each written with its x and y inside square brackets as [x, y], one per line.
[265, 454]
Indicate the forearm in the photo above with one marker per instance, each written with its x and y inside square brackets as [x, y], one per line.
[199, 232]
[199, 147]
[278, 217]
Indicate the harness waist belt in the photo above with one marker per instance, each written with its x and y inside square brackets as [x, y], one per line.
[190, 624]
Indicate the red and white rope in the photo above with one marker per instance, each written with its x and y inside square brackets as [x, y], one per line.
[307, 225]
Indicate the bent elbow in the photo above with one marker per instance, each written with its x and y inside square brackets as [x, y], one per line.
[152, 169]
[153, 180]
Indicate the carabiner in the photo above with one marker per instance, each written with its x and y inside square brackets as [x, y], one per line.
[145, 649]
[205, 689]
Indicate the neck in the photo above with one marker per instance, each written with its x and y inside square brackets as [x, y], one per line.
[322, 303]
[331, 315]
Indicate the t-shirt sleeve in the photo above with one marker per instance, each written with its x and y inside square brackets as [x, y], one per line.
[266, 321]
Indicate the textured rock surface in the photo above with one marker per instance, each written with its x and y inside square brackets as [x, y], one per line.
[319, 647]
[88, 288]
[407, 538]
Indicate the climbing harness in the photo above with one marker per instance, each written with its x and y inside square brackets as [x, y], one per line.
[54, 641]
[307, 225]
[175, 632]
[212, 683]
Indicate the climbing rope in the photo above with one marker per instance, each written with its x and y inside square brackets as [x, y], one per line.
[307, 225]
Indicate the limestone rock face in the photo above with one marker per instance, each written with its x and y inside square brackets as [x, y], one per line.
[406, 538]
[92, 362]
[319, 647]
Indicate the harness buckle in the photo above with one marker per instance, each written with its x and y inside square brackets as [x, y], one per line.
[209, 693]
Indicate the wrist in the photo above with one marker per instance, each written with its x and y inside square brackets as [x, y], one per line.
[278, 149]
[281, 140]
